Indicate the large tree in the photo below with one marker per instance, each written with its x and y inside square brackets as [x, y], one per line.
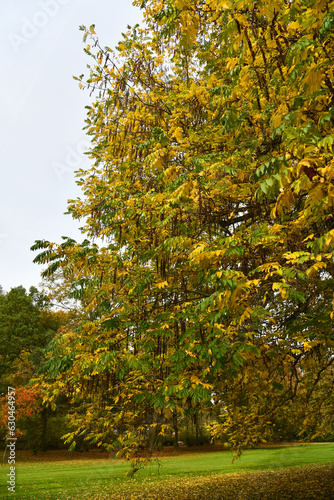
[211, 187]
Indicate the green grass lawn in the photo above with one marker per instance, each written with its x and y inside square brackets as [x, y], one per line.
[97, 478]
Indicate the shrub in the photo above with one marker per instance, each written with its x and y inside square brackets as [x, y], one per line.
[168, 440]
[191, 440]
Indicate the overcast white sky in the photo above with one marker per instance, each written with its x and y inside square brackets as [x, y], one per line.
[42, 116]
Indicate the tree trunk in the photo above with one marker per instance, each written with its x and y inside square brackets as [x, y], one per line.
[197, 427]
[176, 429]
[44, 429]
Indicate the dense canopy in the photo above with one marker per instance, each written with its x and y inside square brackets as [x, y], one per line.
[206, 275]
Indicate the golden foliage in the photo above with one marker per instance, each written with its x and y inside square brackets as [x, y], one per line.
[211, 189]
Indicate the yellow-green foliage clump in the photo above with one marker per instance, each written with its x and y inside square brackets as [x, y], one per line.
[304, 483]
